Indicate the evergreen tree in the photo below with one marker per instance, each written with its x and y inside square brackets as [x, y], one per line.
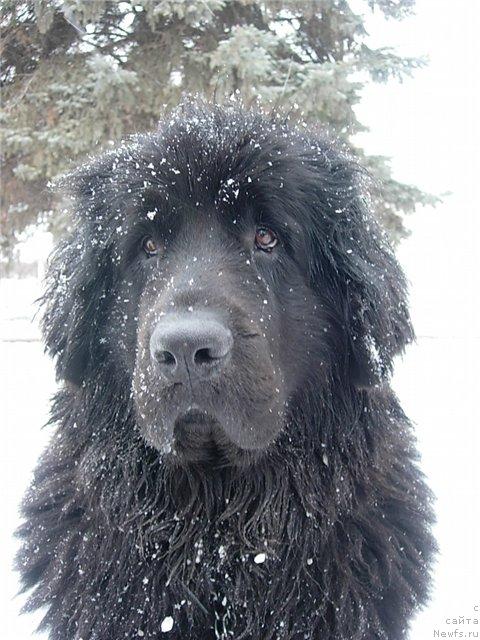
[78, 75]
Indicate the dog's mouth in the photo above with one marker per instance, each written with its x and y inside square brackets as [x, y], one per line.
[200, 440]
[195, 419]
[197, 437]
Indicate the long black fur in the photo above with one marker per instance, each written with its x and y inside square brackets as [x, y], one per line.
[116, 538]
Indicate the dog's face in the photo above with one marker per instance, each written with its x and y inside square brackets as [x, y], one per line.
[227, 328]
[220, 269]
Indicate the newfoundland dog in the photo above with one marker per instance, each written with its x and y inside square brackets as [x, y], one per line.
[229, 459]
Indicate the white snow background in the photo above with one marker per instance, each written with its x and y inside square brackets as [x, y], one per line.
[429, 125]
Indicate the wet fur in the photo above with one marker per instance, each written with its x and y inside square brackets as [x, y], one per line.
[115, 539]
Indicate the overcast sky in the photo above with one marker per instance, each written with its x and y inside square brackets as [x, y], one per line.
[429, 126]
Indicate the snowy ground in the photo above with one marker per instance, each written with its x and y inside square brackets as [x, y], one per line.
[26, 384]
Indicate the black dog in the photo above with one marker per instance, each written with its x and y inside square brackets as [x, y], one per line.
[229, 459]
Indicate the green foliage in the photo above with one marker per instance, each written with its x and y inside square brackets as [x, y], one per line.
[79, 75]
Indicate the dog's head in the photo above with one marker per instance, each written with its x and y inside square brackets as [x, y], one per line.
[219, 268]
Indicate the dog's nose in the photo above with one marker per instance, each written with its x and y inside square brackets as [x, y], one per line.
[187, 347]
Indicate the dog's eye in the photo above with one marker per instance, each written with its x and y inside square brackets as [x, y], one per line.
[149, 246]
[265, 239]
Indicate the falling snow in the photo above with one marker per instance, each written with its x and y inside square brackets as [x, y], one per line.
[167, 624]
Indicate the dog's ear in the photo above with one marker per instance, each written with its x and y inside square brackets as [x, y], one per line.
[377, 320]
[69, 317]
[78, 277]
[377, 325]
[354, 255]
